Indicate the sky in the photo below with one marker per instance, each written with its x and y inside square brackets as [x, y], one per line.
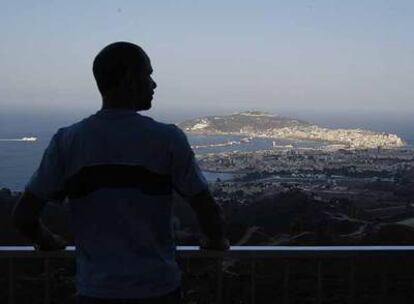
[296, 58]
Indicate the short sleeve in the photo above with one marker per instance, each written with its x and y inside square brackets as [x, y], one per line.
[47, 181]
[187, 178]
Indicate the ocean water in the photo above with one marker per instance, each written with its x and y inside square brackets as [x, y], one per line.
[19, 159]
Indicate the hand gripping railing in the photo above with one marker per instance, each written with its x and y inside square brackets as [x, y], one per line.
[252, 253]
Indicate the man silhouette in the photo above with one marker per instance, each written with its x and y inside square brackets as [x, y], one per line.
[118, 169]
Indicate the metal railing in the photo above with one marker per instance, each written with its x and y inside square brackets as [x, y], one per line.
[253, 254]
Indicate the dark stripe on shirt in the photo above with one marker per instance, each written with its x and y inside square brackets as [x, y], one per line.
[93, 178]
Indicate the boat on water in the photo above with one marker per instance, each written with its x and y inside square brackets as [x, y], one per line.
[27, 138]
[32, 138]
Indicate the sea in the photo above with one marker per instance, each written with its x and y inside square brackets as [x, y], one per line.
[20, 158]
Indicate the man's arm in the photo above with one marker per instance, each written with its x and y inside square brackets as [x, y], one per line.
[190, 183]
[26, 218]
[211, 220]
[45, 184]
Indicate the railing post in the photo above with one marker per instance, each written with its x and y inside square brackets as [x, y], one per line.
[253, 282]
[47, 281]
[286, 278]
[351, 281]
[11, 281]
[383, 281]
[219, 289]
[187, 271]
[187, 265]
[319, 278]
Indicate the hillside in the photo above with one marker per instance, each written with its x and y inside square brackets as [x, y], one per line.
[252, 121]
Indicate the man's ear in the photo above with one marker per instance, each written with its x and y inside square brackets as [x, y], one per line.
[125, 85]
[131, 78]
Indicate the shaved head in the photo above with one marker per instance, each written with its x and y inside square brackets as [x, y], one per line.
[115, 60]
[123, 74]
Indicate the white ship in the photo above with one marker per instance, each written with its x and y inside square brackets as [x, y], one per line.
[28, 138]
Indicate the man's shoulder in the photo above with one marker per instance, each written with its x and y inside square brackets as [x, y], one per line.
[169, 129]
[151, 125]
[73, 127]
[66, 134]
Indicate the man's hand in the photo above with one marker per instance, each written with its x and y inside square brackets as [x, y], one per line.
[49, 241]
[211, 220]
[26, 216]
[222, 244]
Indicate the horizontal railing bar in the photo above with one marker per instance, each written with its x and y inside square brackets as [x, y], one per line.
[258, 248]
[235, 251]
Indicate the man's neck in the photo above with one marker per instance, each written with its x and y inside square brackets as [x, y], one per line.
[111, 108]
[118, 104]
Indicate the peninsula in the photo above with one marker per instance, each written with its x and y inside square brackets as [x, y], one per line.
[262, 124]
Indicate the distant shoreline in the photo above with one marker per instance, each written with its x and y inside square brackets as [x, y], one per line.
[266, 125]
[293, 139]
